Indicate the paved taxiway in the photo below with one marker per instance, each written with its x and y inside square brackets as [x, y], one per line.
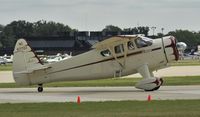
[28, 95]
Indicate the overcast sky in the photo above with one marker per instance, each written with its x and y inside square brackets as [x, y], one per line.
[96, 14]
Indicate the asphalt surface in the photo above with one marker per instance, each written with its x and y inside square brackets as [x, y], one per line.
[30, 95]
[69, 94]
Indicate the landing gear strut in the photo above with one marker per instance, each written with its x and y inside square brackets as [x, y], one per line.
[40, 88]
[149, 83]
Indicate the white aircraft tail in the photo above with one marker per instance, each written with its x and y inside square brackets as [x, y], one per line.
[24, 59]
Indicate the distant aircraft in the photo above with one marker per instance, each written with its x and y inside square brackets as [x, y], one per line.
[2, 61]
[194, 54]
[6, 59]
[114, 57]
[56, 58]
[9, 59]
[181, 46]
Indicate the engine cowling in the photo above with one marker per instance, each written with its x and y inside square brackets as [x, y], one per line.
[150, 84]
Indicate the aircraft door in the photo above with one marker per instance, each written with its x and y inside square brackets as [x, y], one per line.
[119, 53]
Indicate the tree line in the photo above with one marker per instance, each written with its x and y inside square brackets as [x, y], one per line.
[19, 29]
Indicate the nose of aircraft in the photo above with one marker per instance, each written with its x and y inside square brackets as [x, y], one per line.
[174, 46]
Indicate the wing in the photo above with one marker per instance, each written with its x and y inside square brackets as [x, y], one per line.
[112, 41]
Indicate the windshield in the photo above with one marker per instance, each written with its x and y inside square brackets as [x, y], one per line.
[143, 42]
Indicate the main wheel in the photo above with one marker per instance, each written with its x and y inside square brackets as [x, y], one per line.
[159, 82]
[40, 89]
[156, 88]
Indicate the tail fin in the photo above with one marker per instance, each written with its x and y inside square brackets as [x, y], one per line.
[24, 58]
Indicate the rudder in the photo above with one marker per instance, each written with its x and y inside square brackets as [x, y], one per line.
[24, 58]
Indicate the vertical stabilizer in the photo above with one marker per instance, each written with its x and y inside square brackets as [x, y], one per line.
[24, 59]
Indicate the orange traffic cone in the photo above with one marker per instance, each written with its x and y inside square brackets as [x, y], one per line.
[149, 98]
[78, 100]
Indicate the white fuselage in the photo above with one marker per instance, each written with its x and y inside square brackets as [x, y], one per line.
[92, 65]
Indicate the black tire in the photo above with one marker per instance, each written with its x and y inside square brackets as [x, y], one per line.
[149, 90]
[156, 88]
[40, 89]
[162, 81]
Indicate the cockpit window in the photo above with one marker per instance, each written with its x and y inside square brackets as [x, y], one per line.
[105, 53]
[143, 42]
[131, 45]
[119, 49]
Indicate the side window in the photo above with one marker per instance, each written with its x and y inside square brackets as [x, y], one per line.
[131, 45]
[119, 49]
[105, 53]
[140, 43]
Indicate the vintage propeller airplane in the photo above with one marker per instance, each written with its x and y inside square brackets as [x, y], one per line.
[114, 57]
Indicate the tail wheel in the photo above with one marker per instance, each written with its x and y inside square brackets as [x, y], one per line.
[40, 88]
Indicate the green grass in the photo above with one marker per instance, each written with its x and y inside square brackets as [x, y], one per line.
[189, 62]
[188, 80]
[7, 67]
[176, 108]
